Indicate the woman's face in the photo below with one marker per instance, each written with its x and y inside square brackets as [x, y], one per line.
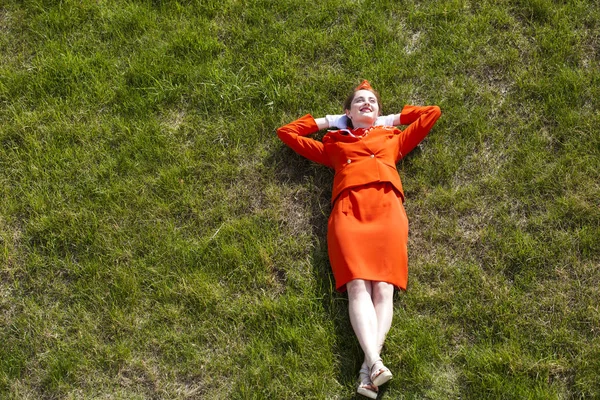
[364, 108]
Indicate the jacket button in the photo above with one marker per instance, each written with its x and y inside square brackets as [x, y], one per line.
[349, 161]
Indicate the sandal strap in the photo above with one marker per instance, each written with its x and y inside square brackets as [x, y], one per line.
[365, 386]
[372, 370]
[379, 375]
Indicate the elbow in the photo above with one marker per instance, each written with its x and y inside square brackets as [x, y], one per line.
[285, 136]
[281, 133]
[435, 113]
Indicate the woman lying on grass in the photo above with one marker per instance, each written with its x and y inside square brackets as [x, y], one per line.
[367, 230]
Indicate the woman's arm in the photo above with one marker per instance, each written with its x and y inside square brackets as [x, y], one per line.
[295, 135]
[395, 119]
[420, 120]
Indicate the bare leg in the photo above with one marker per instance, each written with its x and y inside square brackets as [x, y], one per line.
[371, 306]
[363, 318]
[383, 301]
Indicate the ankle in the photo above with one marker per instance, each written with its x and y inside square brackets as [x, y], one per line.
[370, 361]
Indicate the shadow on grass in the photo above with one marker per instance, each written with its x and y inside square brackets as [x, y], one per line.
[290, 168]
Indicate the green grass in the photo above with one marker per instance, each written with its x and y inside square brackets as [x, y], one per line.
[158, 241]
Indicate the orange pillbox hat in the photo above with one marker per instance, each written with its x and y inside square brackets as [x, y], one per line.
[365, 85]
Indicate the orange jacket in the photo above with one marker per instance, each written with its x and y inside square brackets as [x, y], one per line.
[361, 160]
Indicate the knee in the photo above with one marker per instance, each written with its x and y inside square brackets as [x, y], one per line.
[357, 288]
[383, 292]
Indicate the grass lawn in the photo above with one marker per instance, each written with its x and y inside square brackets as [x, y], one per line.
[157, 241]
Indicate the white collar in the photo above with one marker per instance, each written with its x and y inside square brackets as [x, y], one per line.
[353, 135]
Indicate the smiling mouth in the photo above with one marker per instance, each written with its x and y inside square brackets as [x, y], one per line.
[366, 109]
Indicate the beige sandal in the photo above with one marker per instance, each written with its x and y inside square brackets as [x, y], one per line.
[380, 374]
[365, 386]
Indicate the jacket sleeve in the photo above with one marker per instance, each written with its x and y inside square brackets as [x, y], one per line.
[294, 135]
[420, 120]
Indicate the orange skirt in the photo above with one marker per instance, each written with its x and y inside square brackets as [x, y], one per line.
[367, 236]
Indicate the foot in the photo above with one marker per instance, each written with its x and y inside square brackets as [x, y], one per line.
[379, 374]
[365, 386]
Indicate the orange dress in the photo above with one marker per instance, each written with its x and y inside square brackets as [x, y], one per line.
[367, 232]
